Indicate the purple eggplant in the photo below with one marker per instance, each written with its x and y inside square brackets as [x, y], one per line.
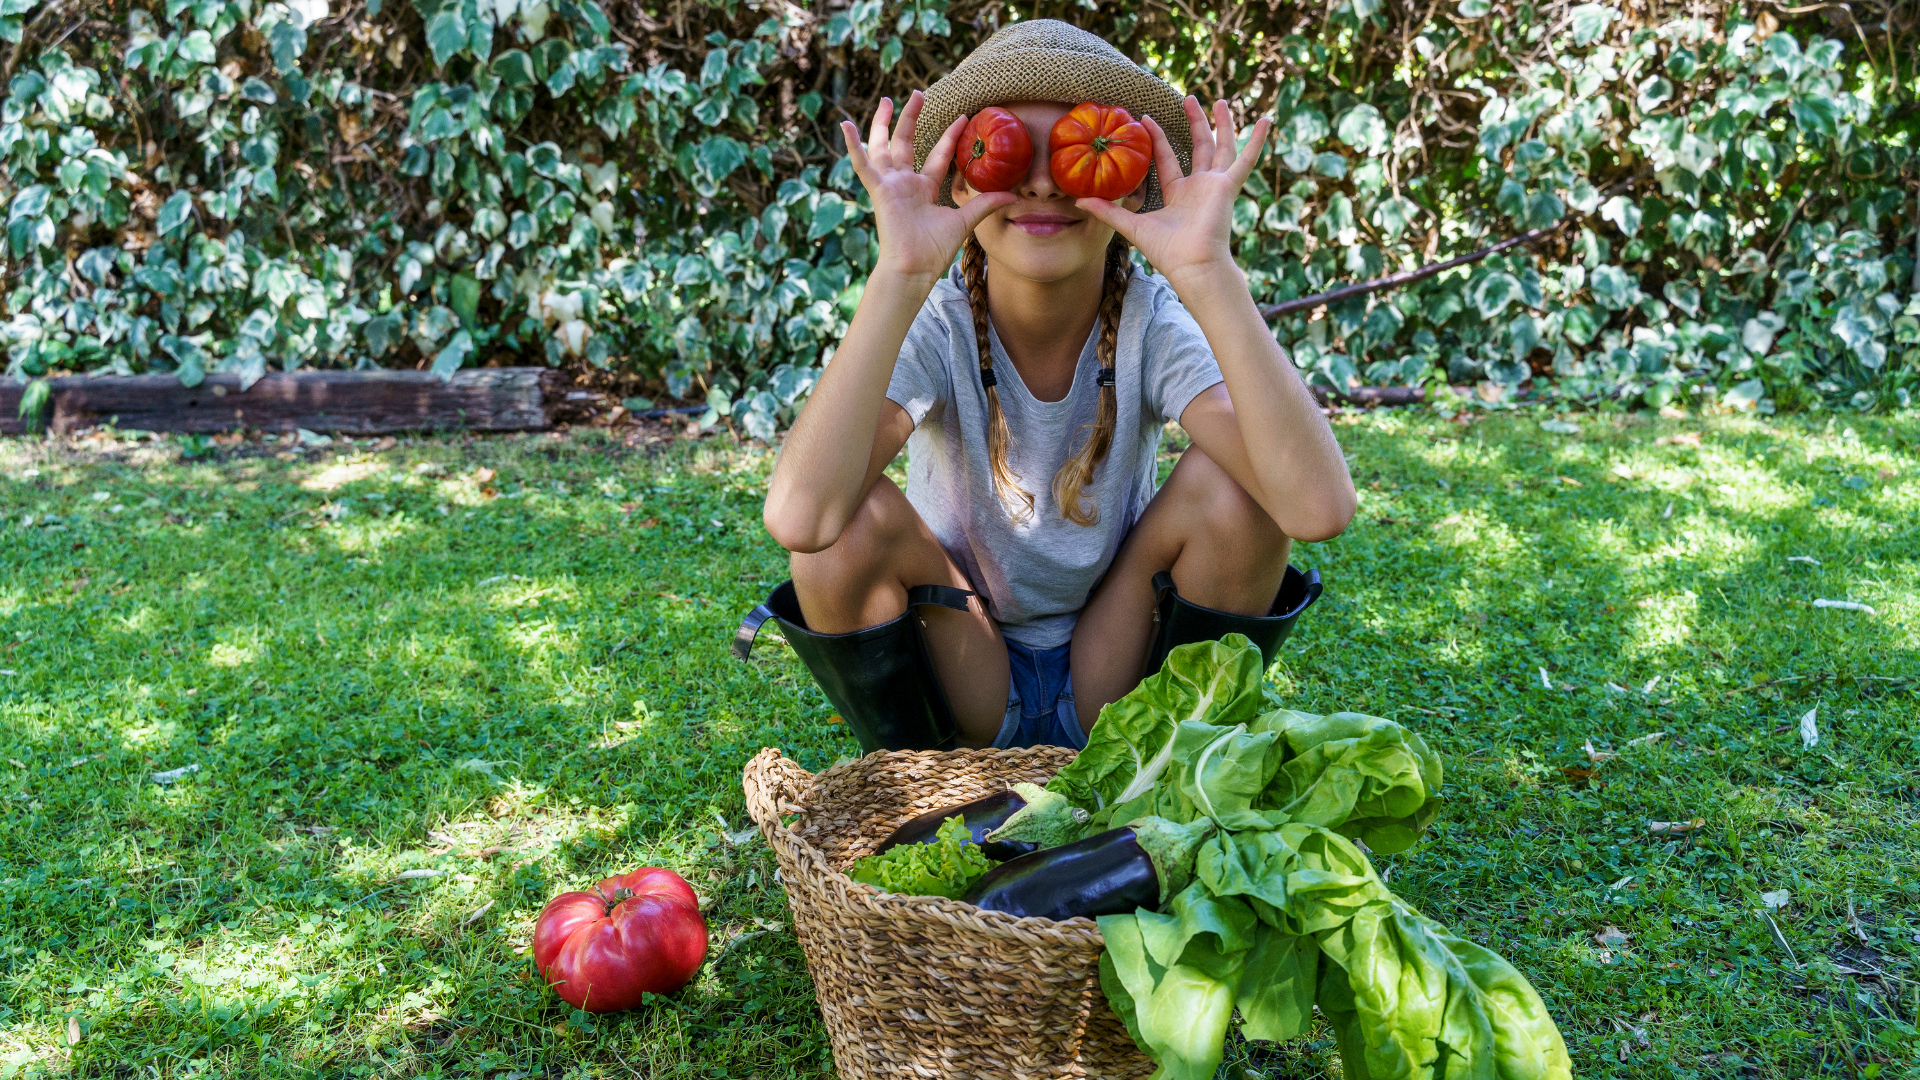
[1109, 873]
[982, 815]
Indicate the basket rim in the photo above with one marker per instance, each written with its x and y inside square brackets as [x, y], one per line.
[776, 771]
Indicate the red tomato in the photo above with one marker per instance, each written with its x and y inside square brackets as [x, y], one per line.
[1099, 152]
[995, 150]
[632, 934]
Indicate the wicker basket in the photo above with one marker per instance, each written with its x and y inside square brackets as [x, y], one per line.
[921, 986]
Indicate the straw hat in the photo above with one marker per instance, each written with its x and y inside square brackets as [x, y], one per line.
[1048, 60]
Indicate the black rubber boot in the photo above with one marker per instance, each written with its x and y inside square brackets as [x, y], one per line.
[880, 678]
[1179, 622]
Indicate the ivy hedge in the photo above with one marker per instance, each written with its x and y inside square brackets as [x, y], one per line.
[655, 190]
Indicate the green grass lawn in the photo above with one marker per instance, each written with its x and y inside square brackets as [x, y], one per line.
[505, 660]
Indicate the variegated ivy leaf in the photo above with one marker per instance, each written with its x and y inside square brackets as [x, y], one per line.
[529, 162]
[1589, 21]
[1494, 292]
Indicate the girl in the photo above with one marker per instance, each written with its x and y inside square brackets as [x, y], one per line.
[1030, 385]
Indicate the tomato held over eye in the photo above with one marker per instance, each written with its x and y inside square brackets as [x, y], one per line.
[1099, 152]
[995, 150]
[604, 949]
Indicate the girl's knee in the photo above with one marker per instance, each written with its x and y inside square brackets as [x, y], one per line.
[1222, 507]
[866, 547]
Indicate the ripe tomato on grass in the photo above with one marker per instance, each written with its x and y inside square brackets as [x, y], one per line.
[1100, 152]
[995, 150]
[630, 935]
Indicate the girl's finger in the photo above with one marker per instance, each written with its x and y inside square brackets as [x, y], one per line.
[1202, 134]
[942, 153]
[1227, 140]
[1112, 215]
[901, 148]
[877, 135]
[862, 167]
[1163, 155]
[1243, 165]
[985, 203]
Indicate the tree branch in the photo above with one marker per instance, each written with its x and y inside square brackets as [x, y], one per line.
[1404, 277]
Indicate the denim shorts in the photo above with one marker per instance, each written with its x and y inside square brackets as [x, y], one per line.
[1040, 709]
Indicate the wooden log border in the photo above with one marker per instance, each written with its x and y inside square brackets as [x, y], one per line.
[371, 402]
[350, 402]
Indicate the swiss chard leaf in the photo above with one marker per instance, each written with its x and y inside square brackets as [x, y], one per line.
[1361, 775]
[1402, 991]
[1215, 682]
[1264, 909]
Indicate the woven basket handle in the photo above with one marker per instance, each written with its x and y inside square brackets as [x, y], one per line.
[773, 786]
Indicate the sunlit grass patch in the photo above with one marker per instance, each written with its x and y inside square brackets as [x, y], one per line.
[342, 473]
[531, 691]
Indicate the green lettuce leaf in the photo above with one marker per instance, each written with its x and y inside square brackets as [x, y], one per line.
[1299, 878]
[1278, 920]
[1195, 740]
[1362, 775]
[1215, 773]
[1132, 744]
[1284, 912]
[947, 867]
[1173, 979]
[1277, 984]
[1408, 998]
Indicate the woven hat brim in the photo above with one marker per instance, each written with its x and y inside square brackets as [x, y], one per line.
[1039, 73]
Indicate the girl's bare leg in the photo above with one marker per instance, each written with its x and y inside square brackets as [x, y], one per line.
[862, 580]
[1224, 551]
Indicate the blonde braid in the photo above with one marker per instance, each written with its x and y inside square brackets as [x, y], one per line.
[973, 266]
[1074, 476]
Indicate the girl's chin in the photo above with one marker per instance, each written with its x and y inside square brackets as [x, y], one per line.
[1043, 266]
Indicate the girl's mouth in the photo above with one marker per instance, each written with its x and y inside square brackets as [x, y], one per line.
[1044, 224]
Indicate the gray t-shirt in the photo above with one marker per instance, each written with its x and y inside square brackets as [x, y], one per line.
[1035, 574]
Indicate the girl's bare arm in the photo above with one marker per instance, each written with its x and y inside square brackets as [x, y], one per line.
[1265, 429]
[848, 431]
[833, 455]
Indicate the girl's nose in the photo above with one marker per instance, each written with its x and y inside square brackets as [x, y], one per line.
[1039, 181]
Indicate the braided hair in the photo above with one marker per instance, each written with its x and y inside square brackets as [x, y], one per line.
[1077, 473]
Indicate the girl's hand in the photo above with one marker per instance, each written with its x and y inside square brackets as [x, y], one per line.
[918, 236]
[1187, 237]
